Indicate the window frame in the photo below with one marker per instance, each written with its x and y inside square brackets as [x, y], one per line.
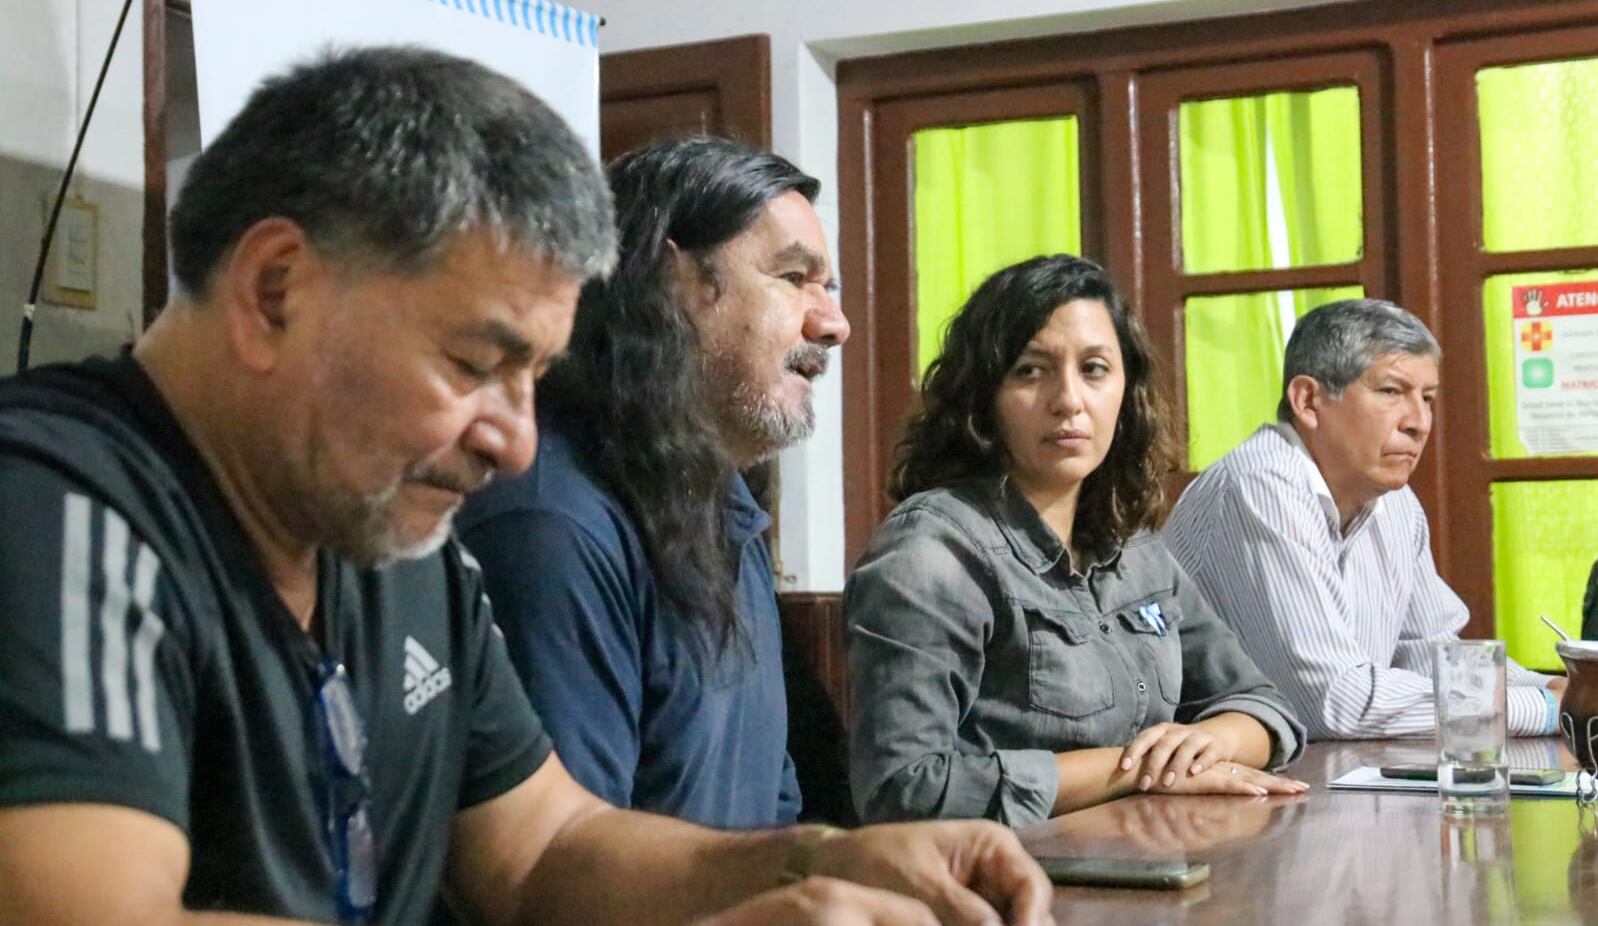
[883, 351]
[1169, 285]
[1403, 114]
[1465, 267]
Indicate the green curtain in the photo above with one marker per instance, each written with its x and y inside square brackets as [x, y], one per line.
[1224, 224]
[1315, 143]
[1538, 133]
[1234, 344]
[1545, 537]
[987, 196]
[1312, 140]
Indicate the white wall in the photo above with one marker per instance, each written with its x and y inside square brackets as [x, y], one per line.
[50, 54]
[50, 51]
[807, 41]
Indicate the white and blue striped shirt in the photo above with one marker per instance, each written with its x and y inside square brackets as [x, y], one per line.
[1342, 620]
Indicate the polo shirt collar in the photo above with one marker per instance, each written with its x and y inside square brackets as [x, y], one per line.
[743, 518]
[1323, 492]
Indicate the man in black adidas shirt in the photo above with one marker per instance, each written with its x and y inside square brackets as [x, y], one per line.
[243, 674]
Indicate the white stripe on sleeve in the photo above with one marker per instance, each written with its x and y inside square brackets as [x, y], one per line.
[77, 684]
[114, 627]
[146, 568]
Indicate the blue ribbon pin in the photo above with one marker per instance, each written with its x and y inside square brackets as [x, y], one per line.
[1153, 617]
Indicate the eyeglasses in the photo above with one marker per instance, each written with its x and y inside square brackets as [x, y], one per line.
[349, 828]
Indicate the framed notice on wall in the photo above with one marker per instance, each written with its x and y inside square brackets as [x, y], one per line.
[1555, 331]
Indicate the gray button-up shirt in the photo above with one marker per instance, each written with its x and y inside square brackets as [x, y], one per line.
[976, 653]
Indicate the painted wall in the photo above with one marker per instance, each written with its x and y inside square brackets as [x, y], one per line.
[50, 54]
[50, 51]
[807, 41]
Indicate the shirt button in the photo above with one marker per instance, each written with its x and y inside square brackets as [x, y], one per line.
[1142, 687]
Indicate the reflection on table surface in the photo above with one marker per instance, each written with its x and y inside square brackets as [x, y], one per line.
[1341, 856]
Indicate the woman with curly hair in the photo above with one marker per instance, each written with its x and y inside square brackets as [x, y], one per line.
[1020, 643]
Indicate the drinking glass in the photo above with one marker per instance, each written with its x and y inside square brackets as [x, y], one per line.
[1472, 772]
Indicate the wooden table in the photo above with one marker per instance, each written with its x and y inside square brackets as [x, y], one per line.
[1340, 857]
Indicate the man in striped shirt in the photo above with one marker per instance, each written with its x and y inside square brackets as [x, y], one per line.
[1309, 542]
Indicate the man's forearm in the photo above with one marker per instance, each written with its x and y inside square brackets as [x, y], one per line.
[125, 867]
[626, 867]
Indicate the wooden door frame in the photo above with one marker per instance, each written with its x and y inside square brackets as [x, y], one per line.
[155, 101]
[737, 70]
[1167, 284]
[1407, 35]
[1465, 266]
[892, 396]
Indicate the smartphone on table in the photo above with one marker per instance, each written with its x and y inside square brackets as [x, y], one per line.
[1149, 874]
[1517, 776]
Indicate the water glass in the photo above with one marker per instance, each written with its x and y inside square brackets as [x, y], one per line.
[1472, 714]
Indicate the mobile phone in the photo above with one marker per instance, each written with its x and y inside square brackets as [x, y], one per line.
[1153, 874]
[1517, 776]
[1536, 776]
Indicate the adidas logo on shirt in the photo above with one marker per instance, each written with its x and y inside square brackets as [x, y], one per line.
[425, 679]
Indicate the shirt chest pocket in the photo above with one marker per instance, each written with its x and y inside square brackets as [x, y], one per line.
[1067, 671]
[1155, 642]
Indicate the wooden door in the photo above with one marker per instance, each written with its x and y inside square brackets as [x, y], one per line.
[722, 87]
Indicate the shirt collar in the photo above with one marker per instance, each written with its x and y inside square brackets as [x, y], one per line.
[743, 517]
[1323, 492]
[1031, 540]
[560, 434]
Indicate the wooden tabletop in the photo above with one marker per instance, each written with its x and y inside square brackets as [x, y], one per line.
[1339, 857]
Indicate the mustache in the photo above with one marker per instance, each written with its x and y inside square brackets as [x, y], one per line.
[464, 481]
[808, 360]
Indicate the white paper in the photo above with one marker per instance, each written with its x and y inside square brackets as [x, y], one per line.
[552, 49]
[1555, 331]
[1369, 778]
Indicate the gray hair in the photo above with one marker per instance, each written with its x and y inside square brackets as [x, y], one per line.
[383, 155]
[1335, 343]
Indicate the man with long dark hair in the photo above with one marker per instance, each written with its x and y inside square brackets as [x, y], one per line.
[634, 540]
[246, 675]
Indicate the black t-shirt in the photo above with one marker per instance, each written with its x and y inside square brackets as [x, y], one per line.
[146, 661]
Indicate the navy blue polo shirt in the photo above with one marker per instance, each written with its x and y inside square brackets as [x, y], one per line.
[639, 715]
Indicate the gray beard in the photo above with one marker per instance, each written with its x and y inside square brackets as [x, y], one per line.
[766, 426]
[361, 528]
[757, 417]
